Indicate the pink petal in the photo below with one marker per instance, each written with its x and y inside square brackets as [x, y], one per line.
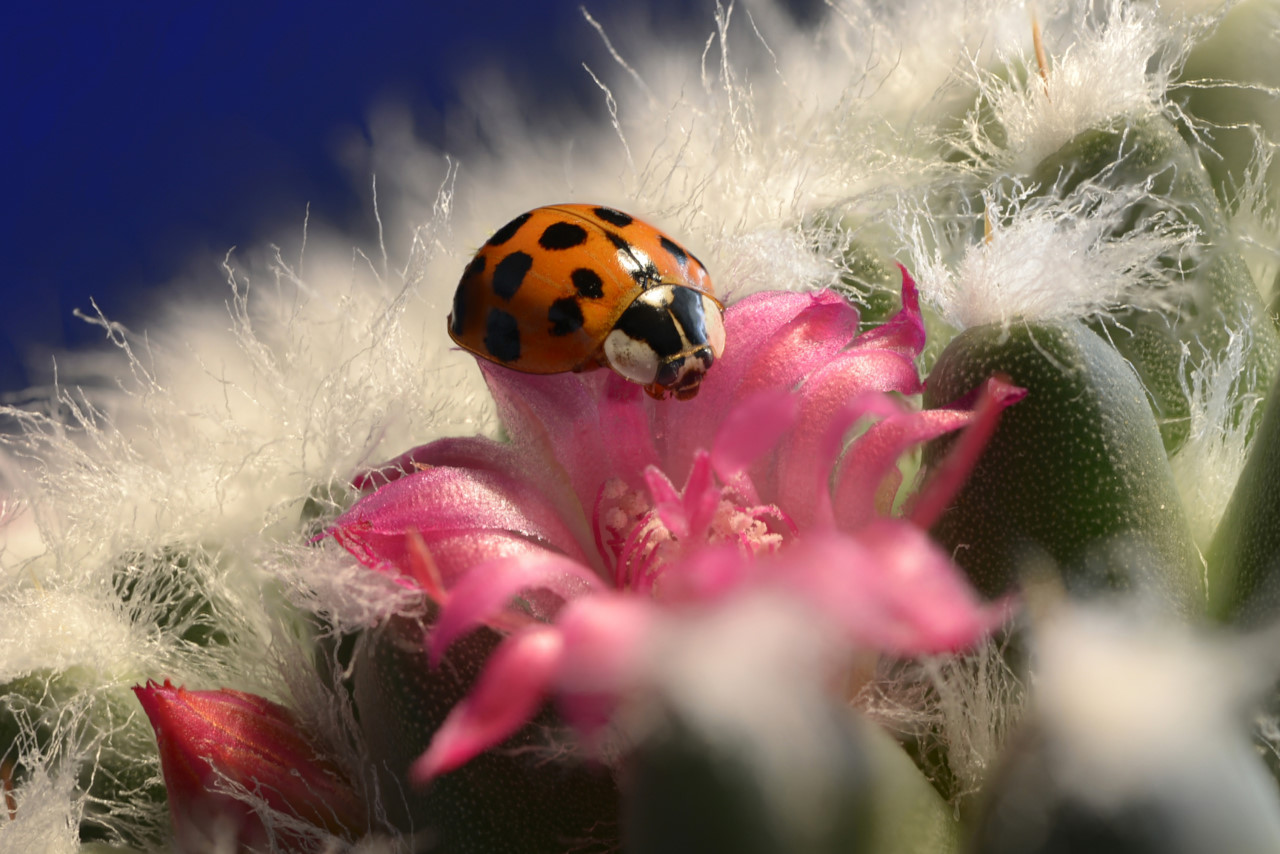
[805, 458]
[512, 686]
[890, 588]
[801, 347]
[871, 461]
[753, 428]
[591, 426]
[624, 434]
[925, 604]
[947, 478]
[456, 553]
[771, 340]
[707, 575]
[444, 502]
[467, 452]
[701, 497]
[423, 568]
[487, 589]
[904, 333]
[605, 649]
[667, 502]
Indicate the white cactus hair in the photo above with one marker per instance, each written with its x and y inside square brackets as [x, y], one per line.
[222, 435]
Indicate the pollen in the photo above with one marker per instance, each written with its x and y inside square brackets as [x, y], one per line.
[633, 537]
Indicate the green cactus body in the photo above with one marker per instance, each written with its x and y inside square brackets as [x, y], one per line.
[1244, 557]
[696, 788]
[1075, 474]
[524, 796]
[1222, 296]
[872, 282]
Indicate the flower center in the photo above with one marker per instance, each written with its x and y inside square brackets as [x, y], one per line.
[639, 540]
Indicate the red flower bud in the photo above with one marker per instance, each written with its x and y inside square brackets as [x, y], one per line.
[214, 742]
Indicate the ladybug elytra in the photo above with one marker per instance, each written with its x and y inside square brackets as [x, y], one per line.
[575, 287]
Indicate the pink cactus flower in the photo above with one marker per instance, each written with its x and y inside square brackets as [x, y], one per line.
[580, 515]
[213, 742]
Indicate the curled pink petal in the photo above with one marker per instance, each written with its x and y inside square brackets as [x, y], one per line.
[701, 497]
[926, 604]
[801, 347]
[947, 478]
[831, 400]
[870, 463]
[512, 686]
[444, 499]
[605, 647]
[752, 429]
[489, 587]
[904, 333]
[757, 331]
[667, 501]
[891, 588]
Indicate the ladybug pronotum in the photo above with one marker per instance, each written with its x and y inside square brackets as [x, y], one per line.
[577, 287]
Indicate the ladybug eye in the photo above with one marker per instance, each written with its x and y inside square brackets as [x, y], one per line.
[633, 359]
[713, 320]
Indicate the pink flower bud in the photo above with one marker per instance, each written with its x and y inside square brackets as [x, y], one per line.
[215, 742]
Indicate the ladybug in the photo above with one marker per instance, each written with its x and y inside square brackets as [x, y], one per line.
[577, 287]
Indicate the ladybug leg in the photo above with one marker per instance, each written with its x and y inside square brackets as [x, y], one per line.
[657, 392]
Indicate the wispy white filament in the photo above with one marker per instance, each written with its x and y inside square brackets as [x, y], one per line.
[211, 432]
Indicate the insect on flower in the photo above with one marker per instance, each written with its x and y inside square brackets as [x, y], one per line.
[577, 287]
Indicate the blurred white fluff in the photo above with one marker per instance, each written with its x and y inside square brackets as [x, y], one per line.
[709, 669]
[1143, 712]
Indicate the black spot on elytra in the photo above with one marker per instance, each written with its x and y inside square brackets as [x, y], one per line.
[509, 274]
[619, 242]
[502, 336]
[509, 230]
[652, 325]
[674, 249]
[587, 282]
[613, 217]
[565, 316]
[637, 264]
[562, 235]
[475, 268]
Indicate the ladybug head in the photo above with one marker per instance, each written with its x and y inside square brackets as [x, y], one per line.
[667, 339]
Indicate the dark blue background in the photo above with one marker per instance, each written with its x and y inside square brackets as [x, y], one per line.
[140, 136]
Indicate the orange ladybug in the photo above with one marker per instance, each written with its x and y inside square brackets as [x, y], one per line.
[577, 287]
